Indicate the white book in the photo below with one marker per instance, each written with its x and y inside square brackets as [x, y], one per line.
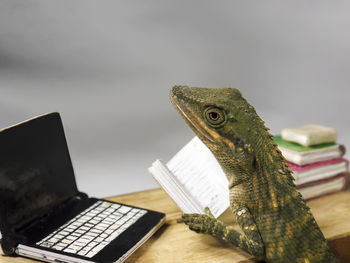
[194, 179]
[307, 157]
[319, 172]
[335, 184]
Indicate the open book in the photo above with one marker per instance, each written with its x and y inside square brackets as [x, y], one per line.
[194, 179]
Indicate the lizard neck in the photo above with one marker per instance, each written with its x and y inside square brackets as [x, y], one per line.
[272, 181]
[262, 180]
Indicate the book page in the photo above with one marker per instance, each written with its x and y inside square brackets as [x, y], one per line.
[196, 168]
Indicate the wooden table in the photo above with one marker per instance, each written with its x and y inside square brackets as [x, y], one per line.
[176, 243]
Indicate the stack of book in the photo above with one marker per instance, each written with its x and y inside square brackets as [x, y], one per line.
[315, 159]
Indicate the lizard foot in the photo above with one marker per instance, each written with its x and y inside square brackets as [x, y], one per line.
[204, 224]
[207, 211]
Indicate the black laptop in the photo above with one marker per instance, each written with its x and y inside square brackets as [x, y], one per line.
[42, 213]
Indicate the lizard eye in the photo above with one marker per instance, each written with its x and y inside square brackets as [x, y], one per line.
[215, 116]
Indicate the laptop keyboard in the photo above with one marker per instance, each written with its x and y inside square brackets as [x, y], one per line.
[93, 229]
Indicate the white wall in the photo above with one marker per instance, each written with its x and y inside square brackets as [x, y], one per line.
[107, 67]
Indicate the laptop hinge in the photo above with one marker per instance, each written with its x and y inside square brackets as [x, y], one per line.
[81, 195]
[9, 242]
[14, 234]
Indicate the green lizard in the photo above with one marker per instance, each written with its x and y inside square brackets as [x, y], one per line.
[277, 224]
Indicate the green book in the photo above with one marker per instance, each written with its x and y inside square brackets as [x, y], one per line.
[298, 147]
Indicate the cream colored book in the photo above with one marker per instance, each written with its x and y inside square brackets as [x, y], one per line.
[311, 134]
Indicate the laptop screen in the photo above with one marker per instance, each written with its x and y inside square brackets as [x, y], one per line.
[36, 172]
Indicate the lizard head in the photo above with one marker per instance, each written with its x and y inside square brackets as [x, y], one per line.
[230, 127]
[222, 119]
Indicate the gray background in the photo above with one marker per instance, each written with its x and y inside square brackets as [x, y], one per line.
[108, 66]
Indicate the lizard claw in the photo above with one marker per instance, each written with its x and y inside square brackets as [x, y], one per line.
[208, 212]
[185, 218]
[180, 220]
[195, 227]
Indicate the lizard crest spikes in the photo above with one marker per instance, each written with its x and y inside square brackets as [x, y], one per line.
[277, 224]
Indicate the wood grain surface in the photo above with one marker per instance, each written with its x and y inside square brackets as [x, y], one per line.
[174, 242]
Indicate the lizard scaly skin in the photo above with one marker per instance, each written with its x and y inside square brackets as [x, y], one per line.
[276, 222]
